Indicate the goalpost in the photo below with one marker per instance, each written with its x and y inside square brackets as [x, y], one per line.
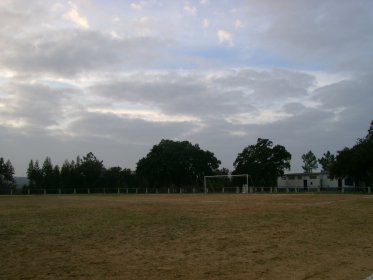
[244, 188]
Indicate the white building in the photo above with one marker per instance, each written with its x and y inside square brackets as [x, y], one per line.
[312, 180]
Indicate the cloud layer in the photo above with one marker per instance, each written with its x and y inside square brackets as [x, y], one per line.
[116, 78]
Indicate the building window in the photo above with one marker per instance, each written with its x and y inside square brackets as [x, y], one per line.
[291, 177]
[299, 177]
[313, 176]
[283, 177]
[349, 181]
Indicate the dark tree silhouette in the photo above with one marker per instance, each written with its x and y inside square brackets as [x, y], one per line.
[263, 162]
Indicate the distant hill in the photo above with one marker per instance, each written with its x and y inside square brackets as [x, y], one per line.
[21, 181]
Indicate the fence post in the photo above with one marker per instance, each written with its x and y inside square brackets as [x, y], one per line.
[28, 191]
[194, 189]
[369, 190]
[44, 192]
[74, 191]
[287, 190]
[156, 190]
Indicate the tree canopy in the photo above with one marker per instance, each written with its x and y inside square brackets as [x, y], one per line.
[6, 174]
[263, 162]
[327, 161]
[310, 162]
[356, 162]
[178, 163]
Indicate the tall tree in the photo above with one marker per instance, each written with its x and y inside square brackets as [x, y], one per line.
[91, 169]
[178, 163]
[6, 174]
[113, 177]
[310, 162]
[327, 161]
[47, 173]
[67, 173]
[356, 162]
[263, 162]
[34, 174]
[370, 132]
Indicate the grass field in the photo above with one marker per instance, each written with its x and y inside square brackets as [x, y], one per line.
[186, 237]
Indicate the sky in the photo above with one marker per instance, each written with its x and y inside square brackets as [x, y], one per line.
[115, 77]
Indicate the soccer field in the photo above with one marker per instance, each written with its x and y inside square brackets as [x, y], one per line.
[261, 236]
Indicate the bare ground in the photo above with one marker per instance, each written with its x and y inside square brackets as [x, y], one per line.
[186, 237]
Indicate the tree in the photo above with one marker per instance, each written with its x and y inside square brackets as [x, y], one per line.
[47, 173]
[327, 161]
[67, 175]
[310, 162]
[6, 174]
[91, 170]
[113, 177]
[178, 163]
[56, 177]
[34, 174]
[263, 162]
[356, 163]
[370, 132]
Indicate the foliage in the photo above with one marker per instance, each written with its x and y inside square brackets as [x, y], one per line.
[310, 162]
[263, 162]
[176, 163]
[34, 174]
[355, 162]
[327, 161]
[6, 174]
[81, 174]
[91, 169]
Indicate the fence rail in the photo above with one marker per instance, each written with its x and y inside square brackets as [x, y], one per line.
[244, 189]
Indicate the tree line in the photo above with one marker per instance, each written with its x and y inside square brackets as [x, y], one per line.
[183, 164]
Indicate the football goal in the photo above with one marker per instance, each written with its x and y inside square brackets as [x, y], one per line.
[227, 183]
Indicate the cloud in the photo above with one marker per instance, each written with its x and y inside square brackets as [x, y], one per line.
[191, 10]
[70, 52]
[238, 24]
[324, 32]
[136, 6]
[31, 105]
[205, 23]
[299, 74]
[74, 16]
[225, 37]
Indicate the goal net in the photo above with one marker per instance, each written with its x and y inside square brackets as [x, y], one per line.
[226, 183]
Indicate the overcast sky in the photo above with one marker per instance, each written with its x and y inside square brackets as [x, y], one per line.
[115, 77]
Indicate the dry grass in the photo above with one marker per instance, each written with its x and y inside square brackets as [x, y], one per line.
[186, 237]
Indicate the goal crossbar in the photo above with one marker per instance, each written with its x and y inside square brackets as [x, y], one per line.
[221, 176]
